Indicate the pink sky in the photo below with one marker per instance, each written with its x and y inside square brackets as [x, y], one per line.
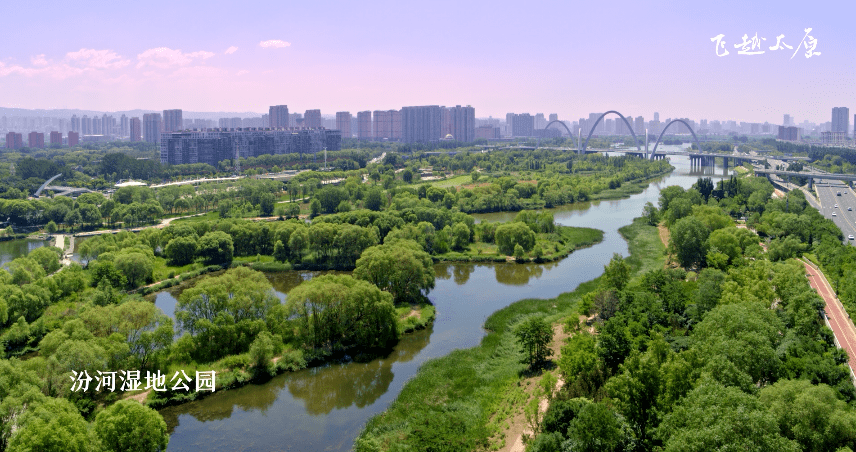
[548, 57]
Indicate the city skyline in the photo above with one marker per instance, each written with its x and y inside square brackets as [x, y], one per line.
[627, 57]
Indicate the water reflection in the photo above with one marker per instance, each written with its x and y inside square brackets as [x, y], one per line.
[13, 249]
[340, 386]
[325, 408]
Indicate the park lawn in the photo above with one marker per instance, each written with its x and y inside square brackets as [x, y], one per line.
[161, 270]
[455, 181]
[461, 400]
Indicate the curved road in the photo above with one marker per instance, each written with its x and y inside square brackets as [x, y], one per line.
[842, 326]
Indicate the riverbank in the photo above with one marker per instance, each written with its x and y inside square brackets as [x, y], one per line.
[464, 400]
[235, 371]
[567, 239]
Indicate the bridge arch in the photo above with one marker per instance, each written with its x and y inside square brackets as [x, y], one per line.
[39, 191]
[562, 124]
[550, 124]
[664, 131]
[629, 127]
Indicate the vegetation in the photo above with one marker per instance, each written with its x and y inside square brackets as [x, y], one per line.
[709, 355]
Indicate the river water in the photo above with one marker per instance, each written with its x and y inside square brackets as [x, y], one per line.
[13, 249]
[324, 408]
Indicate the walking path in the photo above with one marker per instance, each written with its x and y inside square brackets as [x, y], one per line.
[839, 321]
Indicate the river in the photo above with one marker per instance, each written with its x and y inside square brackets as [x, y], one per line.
[324, 408]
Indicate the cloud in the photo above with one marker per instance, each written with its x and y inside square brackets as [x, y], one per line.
[96, 59]
[243, 72]
[274, 43]
[197, 72]
[39, 60]
[231, 50]
[164, 57]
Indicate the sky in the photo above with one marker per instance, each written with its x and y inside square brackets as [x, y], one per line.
[566, 57]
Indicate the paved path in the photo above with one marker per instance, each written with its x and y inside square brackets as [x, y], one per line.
[842, 326]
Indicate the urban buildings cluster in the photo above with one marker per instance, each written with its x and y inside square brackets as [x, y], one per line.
[414, 124]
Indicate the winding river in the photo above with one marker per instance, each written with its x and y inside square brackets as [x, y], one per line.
[324, 408]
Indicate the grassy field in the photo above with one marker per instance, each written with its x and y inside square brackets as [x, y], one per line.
[452, 401]
[456, 181]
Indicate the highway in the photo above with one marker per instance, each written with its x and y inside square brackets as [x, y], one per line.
[844, 219]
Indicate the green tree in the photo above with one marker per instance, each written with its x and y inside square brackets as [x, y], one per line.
[216, 248]
[314, 208]
[596, 429]
[688, 241]
[617, 273]
[181, 250]
[135, 266]
[52, 425]
[811, 415]
[340, 311]
[715, 417]
[128, 426]
[50, 228]
[374, 199]
[292, 210]
[510, 234]
[401, 268]
[47, 257]
[578, 354]
[535, 335]
[651, 214]
[267, 201]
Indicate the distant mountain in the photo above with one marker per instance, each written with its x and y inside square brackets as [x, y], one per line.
[67, 113]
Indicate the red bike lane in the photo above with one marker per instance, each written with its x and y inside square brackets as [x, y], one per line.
[841, 324]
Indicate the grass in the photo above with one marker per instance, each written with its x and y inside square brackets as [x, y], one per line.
[456, 181]
[646, 248]
[456, 402]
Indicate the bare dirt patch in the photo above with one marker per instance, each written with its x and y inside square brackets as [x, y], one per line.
[518, 427]
[141, 397]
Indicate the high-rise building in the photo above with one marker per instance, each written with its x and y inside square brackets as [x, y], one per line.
[85, 126]
[522, 125]
[343, 123]
[151, 127]
[36, 140]
[75, 123]
[487, 132]
[312, 118]
[73, 138]
[105, 125]
[364, 129]
[540, 121]
[14, 140]
[56, 139]
[382, 125]
[841, 120]
[639, 126]
[789, 133]
[212, 147]
[420, 124]
[554, 117]
[96, 125]
[278, 116]
[135, 130]
[172, 121]
[656, 116]
[123, 126]
[463, 123]
[445, 122]
[787, 120]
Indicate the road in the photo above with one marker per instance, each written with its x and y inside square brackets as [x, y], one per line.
[842, 326]
[844, 219]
